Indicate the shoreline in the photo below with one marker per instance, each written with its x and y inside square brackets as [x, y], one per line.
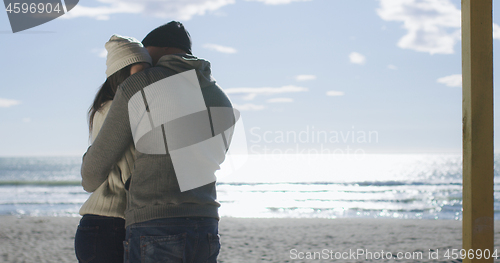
[51, 239]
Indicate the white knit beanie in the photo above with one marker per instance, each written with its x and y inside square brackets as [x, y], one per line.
[123, 51]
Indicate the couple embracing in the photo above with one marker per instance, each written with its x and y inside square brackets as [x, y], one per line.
[151, 164]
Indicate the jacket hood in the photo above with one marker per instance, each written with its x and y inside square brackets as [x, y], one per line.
[184, 62]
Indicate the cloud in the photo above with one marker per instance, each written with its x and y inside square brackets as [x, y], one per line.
[357, 58]
[26, 120]
[392, 67]
[251, 93]
[452, 80]
[334, 93]
[6, 103]
[101, 52]
[496, 31]
[278, 2]
[305, 77]
[433, 26]
[249, 96]
[219, 48]
[280, 100]
[249, 107]
[177, 10]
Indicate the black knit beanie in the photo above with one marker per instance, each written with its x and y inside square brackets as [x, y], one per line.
[172, 34]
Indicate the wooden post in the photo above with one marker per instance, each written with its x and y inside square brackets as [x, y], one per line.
[477, 114]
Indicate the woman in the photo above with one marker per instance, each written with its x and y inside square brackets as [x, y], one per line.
[101, 231]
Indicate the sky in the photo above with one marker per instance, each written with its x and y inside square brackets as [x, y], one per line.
[317, 76]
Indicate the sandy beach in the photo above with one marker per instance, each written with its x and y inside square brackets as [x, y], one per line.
[50, 239]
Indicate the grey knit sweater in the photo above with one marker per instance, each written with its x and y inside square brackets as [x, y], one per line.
[154, 190]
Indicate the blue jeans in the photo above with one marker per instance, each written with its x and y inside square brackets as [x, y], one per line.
[187, 240]
[100, 239]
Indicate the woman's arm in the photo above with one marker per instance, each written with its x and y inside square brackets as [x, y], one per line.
[109, 146]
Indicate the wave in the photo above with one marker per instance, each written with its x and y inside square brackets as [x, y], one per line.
[363, 183]
[41, 183]
[42, 203]
[374, 183]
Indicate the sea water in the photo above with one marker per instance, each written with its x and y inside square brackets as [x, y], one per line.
[427, 186]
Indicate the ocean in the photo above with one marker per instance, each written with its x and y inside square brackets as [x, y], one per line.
[414, 186]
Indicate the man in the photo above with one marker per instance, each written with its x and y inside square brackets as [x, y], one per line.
[181, 123]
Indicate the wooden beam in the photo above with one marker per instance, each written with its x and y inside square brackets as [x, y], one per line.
[477, 114]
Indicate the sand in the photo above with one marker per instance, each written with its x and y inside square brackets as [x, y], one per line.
[50, 239]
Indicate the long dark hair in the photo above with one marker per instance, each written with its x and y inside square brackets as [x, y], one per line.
[107, 92]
